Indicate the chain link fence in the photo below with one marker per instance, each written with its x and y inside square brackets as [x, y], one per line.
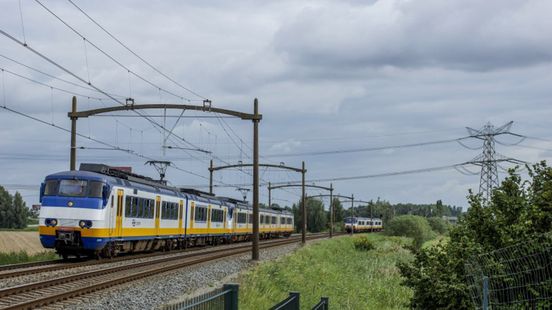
[515, 277]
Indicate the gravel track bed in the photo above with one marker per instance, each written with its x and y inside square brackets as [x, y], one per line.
[26, 279]
[153, 292]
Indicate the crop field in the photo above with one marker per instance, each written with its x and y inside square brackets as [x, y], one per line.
[17, 241]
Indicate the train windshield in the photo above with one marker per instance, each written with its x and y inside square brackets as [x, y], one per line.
[350, 220]
[73, 188]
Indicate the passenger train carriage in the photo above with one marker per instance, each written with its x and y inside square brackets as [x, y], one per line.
[99, 210]
[363, 224]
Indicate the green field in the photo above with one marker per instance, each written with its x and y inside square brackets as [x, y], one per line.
[352, 279]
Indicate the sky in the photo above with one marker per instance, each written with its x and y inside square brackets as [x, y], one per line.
[330, 76]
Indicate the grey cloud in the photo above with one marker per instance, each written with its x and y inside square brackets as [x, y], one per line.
[459, 34]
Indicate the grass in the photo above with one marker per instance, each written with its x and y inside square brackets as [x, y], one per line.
[352, 279]
[23, 257]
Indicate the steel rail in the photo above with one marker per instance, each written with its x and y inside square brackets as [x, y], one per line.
[18, 297]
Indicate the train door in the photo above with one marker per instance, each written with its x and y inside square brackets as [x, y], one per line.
[157, 213]
[180, 216]
[119, 214]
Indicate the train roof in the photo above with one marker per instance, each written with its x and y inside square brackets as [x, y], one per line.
[114, 176]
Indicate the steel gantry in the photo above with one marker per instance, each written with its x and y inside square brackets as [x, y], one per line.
[270, 188]
[74, 115]
[301, 170]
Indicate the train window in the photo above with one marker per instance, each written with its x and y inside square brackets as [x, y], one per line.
[217, 215]
[242, 218]
[51, 188]
[289, 221]
[135, 210]
[273, 220]
[250, 218]
[200, 214]
[282, 220]
[128, 203]
[262, 219]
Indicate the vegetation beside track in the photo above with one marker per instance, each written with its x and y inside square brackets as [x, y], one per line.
[24, 257]
[351, 278]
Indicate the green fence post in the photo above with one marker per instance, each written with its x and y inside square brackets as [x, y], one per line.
[231, 298]
[326, 301]
[296, 304]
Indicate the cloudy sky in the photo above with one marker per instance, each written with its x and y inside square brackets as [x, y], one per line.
[329, 75]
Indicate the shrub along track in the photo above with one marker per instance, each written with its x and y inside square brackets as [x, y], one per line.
[46, 292]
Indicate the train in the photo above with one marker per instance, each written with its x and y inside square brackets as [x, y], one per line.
[362, 224]
[105, 211]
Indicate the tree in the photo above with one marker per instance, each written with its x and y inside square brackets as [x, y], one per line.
[20, 212]
[517, 211]
[316, 216]
[5, 206]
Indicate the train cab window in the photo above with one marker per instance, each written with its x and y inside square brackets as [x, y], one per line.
[51, 188]
[289, 221]
[200, 214]
[282, 220]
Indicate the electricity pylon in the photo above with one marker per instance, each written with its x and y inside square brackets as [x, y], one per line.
[489, 158]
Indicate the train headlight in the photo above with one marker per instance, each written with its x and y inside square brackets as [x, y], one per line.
[51, 222]
[70, 204]
[85, 224]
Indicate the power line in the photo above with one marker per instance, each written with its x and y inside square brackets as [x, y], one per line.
[135, 54]
[109, 56]
[52, 76]
[50, 86]
[367, 149]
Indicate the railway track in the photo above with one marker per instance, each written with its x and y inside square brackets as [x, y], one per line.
[17, 270]
[42, 293]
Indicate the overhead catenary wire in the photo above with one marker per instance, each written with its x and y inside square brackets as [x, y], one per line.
[109, 56]
[50, 86]
[54, 77]
[135, 54]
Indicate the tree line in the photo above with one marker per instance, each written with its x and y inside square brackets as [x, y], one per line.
[13, 210]
[318, 219]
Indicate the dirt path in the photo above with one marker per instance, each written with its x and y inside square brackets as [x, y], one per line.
[15, 241]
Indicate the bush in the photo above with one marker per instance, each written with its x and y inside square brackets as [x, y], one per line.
[362, 243]
[412, 226]
[438, 225]
[518, 210]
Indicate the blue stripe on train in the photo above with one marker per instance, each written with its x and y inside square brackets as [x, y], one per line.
[93, 243]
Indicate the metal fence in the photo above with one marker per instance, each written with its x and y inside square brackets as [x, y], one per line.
[224, 298]
[290, 303]
[515, 277]
[293, 303]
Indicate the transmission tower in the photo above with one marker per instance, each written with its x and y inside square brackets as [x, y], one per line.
[489, 158]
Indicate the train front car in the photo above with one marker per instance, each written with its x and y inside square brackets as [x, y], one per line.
[350, 224]
[73, 214]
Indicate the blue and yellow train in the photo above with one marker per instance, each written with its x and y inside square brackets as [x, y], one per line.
[362, 224]
[103, 211]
